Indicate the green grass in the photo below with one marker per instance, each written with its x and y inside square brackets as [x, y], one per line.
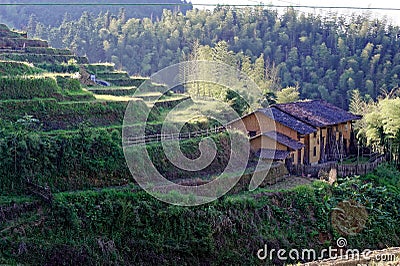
[115, 91]
[196, 110]
[99, 67]
[105, 97]
[82, 95]
[149, 95]
[16, 68]
[134, 228]
[19, 87]
[65, 115]
[7, 200]
[42, 58]
[111, 88]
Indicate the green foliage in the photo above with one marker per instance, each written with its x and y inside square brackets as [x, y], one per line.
[69, 84]
[47, 50]
[82, 159]
[42, 58]
[99, 68]
[190, 149]
[236, 102]
[17, 44]
[68, 115]
[35, 16]
[386, 176]
[13, 68]
[381, 126]
[126, 81]
[128, 226]
[27, 88]
[58, 68]
[6, 33]
[287, 95]
[328, 57]
[112, 75]
[115, 91]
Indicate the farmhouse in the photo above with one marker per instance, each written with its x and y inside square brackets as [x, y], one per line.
[308, 132]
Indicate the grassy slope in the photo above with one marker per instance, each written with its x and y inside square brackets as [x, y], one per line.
[126, 227]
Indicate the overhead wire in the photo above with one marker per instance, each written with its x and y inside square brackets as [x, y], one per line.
[203, 4]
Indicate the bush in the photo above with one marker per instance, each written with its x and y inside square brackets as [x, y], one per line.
[59, 68]
[83, 159]
[27, 88]
[13, 68]
[54, 115]
[43, 58]
[385, 175]
[127, 226]
[48, 51]
[68, 83]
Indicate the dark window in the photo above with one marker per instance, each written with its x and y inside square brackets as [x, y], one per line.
[252, 133]
[315, 151]
[315, 135]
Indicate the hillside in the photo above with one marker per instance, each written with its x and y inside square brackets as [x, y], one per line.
[19, 15]
[61, 117]
[127, 226]
[67, 196]
[327, 57]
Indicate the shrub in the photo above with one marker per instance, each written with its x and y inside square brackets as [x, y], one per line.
[27, 88]
[68, 83]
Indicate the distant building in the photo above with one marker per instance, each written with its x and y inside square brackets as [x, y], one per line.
[308, 132]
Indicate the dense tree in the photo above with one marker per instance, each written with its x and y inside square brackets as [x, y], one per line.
[327, 56]
[18, 15]
[379, 127]
[287, 95]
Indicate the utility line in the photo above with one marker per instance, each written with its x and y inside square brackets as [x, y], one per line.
[205, 5]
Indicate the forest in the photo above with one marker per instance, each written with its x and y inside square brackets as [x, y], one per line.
[326, 57]
[18, 12]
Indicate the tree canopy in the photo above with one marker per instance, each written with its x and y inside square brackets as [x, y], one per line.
[328, 57]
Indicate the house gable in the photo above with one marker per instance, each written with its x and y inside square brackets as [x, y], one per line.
[262, 121]
[288, 120]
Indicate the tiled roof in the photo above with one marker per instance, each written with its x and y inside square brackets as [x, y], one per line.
[317, 113]
[282, 139]
[288, 120]
[272, 154]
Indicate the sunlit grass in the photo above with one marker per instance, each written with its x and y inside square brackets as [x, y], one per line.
[138, 77]
[49, 75]
[110, 88]
[197, 111]
[149, 94]
[107, 97]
